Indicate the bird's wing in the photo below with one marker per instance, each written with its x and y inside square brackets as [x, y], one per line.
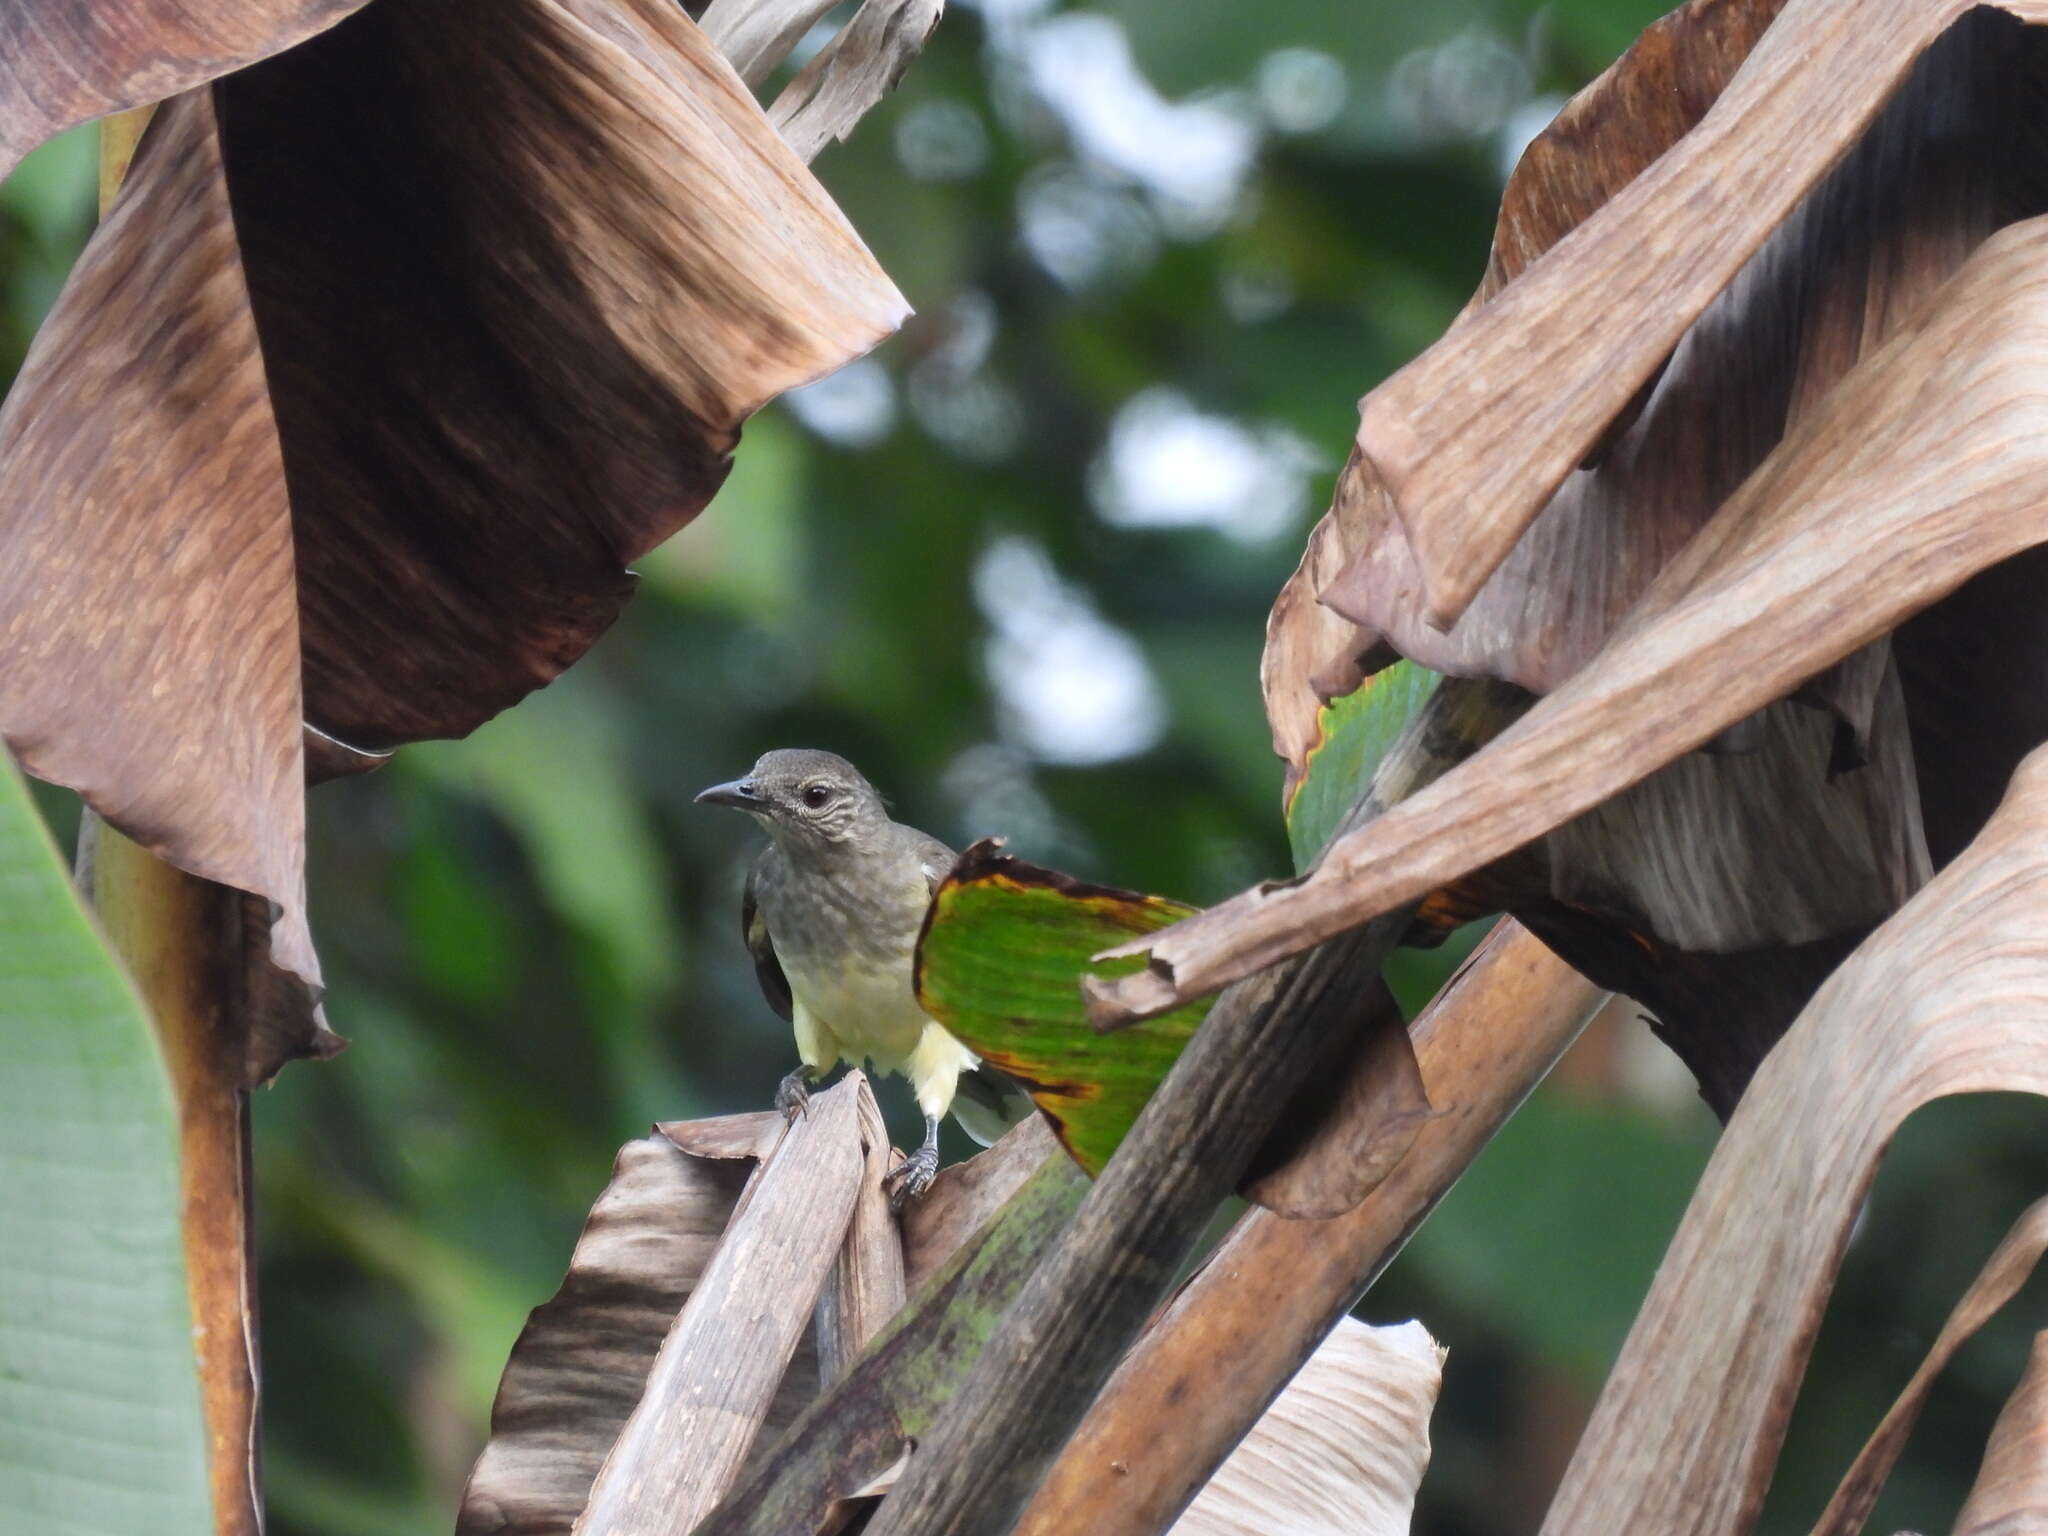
[934, 857]
[767, 969]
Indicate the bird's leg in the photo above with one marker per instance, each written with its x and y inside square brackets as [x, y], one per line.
[793, 1093]
[913, 1176]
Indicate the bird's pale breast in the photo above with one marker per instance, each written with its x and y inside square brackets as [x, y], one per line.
[846, 960]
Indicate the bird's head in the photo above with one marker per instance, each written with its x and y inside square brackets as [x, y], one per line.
[804, 798]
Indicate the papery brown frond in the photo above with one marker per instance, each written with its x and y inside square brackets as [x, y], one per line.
[2008, 1269]
[65, 62]
[1474, 437]
[581, 1363]
[512, 320]
[394, 350]
[1951, 158]
[149, 634]
[1950, 996]
[1926, 465]
[1799, 831]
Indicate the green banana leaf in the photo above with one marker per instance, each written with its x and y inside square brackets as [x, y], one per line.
[100, 1425]
[999, 964]
[1357, 731]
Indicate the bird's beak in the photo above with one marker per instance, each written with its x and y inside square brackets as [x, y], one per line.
[740, 794]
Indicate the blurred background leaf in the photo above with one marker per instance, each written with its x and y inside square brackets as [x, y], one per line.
[1017, 565]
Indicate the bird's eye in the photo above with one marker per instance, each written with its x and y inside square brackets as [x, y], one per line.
[816, 795]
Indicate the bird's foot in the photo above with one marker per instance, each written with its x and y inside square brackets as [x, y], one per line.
[793, 1095]
[912, 1177]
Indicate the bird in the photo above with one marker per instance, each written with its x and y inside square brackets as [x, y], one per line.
[831, 913]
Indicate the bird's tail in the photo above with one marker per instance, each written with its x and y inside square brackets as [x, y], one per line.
[986, 1103]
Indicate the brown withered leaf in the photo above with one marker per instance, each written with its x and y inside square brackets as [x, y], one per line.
[2010, 1497]
[533, 297]
[581, 1362]
[1926, 465]
[757, 35]
[65, 62]
[1953, 155]
[1949, 996]
[851, 73]
[714, 1381]
[1313, 654]
[2003, 1274]
[1723, 886]
[1721, 889]
[353, 414]
[149, 635]
[1342, 1449]
[1601, 140]
[1472, 438]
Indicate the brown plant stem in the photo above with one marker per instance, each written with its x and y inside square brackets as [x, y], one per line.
[1265, 1299]
[1056, 1346]
[180, 939]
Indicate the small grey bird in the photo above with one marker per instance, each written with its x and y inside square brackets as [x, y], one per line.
[831, 915]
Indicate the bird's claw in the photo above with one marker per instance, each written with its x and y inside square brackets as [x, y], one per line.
[793, 1096]
[912, 1177]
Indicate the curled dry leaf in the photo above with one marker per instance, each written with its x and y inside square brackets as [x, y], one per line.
[1726, 885]
[866, 1286]
[354, 419]
[1949, 996]
[1341, 1451]
[581, 1362]
[149, 633]
[714, 1380]
[1473, 437]
[2010, 1497]
[65, 62]
[757, 35]
[851, 73]
[2003, 1274]
[1599, 142]
[1927, 464]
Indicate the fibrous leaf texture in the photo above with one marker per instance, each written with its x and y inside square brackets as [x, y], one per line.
[1342, 1450]
[1849, 378]
[1949, 996]
[65, 62]
[393, 352]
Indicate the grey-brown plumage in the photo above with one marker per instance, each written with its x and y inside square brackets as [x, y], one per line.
[831, 915]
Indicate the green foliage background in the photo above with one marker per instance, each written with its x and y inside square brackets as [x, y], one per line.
[531, 935]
